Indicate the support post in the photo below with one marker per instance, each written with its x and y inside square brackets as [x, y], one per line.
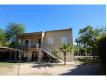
[15, 56]
[40, 56]
[10, 56]
[19, 62]
[29, 56]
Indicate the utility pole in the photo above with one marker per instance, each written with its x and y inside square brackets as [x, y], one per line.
[19, 62]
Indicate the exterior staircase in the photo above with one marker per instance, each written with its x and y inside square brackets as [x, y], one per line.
[48, 51]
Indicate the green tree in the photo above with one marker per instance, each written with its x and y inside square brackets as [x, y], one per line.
[76, 50]
[55, 52]
[12, 31]
[3, 39]
[101, 50]
[87, 37]
[66, 48]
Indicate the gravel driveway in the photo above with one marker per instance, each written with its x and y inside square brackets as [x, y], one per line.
[53, 69]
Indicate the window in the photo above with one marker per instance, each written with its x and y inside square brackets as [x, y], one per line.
[64, 40]
[27, 43]
[20, 41]
[50, 40]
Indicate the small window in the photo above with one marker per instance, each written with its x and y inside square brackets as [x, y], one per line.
[50, 40]
[64, 40]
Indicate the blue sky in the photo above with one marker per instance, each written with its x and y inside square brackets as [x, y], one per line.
[52, 17]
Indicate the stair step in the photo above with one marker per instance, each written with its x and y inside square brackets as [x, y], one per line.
[49, 53]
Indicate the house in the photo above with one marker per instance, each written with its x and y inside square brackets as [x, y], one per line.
[38, 46]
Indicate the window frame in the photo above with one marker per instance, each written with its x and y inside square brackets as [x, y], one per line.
[50, 40]
[64, 40]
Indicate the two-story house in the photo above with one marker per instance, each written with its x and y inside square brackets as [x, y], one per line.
[38, 46]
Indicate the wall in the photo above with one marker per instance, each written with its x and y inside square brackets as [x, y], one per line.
[57, 41]
[57, 38]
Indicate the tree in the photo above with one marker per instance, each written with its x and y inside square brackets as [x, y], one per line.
[12, 31]
[3, 39]
[101, 50]
[87, 37]
[66, 48]
[76, 50]
[55, 52]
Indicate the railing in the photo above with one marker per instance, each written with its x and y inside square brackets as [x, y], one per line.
[33, 46]
[48, 51]
[26, 46]
[22, 47]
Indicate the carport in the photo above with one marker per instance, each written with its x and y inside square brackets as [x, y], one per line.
[9, 54]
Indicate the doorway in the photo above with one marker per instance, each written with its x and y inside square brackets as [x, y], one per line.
[27, 43]
[35, 56]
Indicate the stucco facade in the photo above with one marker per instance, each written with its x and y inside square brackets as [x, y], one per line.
[40, 43]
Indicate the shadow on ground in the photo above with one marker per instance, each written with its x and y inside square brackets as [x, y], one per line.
[85, 69]
[42, 66]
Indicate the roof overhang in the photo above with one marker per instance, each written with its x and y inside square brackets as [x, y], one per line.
[6, 49]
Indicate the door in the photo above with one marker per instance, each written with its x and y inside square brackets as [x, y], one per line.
[35, 56]
[27, 43]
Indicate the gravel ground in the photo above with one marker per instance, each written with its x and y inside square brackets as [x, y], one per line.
[53, 69]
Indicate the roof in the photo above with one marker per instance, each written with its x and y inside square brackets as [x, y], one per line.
[34, 33]
[59, 30]
[4, 49]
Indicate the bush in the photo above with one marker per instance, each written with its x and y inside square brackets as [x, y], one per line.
[102, 53]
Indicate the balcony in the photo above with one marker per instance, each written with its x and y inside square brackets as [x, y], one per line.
[22, 47]
[29, 46]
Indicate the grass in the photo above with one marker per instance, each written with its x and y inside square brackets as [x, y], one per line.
[88, 60]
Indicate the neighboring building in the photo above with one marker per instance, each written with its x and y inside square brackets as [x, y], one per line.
[38, 46]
